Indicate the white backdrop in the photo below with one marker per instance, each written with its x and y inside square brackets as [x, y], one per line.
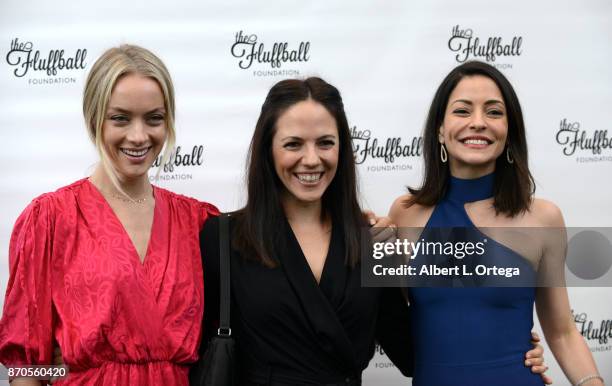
[387, 58]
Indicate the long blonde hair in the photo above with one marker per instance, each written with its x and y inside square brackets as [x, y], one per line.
[112, 65]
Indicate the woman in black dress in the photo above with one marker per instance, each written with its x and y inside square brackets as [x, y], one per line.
[299, 312]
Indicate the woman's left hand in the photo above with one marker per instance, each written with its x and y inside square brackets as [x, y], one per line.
[535, 359]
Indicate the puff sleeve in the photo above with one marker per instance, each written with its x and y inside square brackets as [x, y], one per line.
[26, 327]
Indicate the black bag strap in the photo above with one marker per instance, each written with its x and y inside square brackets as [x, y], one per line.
[224, 267]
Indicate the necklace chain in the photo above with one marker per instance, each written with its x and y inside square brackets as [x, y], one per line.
[129, 200]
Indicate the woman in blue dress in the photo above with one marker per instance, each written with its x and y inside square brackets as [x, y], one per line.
[476, 177]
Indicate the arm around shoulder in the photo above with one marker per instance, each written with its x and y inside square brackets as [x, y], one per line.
[407, 214]
[399, 208]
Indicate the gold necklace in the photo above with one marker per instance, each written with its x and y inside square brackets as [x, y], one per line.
[128, 200]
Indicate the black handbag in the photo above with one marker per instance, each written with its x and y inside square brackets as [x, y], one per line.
[218, 365]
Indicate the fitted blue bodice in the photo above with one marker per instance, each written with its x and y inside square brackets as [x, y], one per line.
[472, 335]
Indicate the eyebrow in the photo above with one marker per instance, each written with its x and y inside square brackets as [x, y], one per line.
[124, 111]
[293, 138]
[489, 102]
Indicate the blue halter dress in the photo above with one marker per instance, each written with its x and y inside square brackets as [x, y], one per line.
[475, 335]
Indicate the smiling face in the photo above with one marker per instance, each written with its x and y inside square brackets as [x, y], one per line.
[475, 127]
[134, 129]
[305, 151]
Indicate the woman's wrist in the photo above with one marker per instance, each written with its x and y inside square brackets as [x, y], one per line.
[587, 380]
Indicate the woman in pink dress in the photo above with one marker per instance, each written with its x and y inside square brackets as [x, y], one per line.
[108, 268]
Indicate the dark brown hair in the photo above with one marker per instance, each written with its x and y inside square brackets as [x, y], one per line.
[262, 219]
[514, 185]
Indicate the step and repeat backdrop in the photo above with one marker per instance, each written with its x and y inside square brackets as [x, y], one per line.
[387, 59]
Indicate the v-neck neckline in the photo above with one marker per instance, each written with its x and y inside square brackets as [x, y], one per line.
[326, 263]
[134, 251]
[321, 301]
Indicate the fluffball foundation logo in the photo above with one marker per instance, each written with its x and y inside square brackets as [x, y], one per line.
[25, 59]
[574, 139]
[249, 51]
[384, 151]
[173, 168]
[468, 46]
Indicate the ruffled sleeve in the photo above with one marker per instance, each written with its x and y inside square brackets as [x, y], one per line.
[27, 318]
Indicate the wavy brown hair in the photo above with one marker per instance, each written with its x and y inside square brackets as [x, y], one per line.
[514, 185]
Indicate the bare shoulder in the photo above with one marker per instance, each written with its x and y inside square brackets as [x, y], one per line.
[400, 207]
[406, 214]
[546, 212]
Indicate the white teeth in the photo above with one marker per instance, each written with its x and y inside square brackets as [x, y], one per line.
[135, 153]
[476, 141]
[309, 177]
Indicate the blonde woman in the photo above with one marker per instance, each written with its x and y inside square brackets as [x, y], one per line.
[108, 268]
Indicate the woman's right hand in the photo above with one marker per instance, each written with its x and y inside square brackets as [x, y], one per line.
[382, 229]
[58, 360]
[24, 382]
